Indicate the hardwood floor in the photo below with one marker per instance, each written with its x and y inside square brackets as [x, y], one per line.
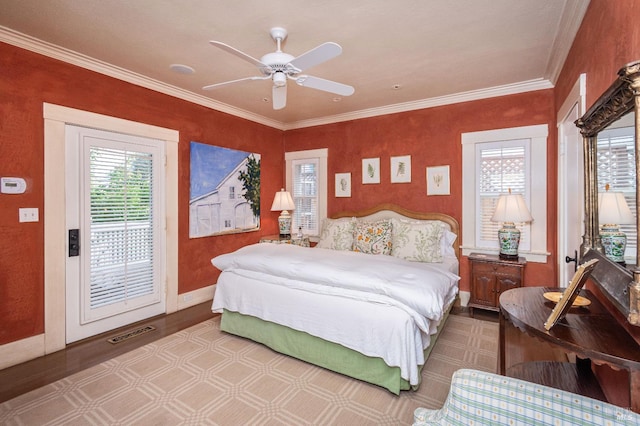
[78, 356]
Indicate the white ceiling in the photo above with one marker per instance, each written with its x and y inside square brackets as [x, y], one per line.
[436, 51]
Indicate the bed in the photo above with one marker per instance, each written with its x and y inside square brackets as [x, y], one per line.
[368, 301]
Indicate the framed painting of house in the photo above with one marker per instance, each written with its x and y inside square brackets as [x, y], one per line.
[225, 191]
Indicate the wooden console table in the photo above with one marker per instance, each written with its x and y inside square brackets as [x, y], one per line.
[590, 332]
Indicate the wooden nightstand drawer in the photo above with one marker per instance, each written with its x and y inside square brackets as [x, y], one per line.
[493, 268]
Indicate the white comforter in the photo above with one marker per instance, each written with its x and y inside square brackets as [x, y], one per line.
[377, 305]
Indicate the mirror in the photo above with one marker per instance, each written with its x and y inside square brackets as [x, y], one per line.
[617, 190]
[619, 104]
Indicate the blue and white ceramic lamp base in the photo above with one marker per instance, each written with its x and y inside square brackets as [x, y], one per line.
[509, 238]
[614, 242]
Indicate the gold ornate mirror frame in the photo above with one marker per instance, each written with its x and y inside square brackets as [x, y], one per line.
[620, 285]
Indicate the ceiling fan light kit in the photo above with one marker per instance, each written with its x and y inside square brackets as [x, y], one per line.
[280, 67]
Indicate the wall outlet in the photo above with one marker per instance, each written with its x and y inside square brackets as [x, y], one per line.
[29, 214]
[187, 297]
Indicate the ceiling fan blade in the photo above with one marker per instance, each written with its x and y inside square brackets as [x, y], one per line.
[317, 55]
[238, 53]
[215, 86]
[326, 85]
[279, 95]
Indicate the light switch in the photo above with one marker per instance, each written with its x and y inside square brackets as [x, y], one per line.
[29, 214]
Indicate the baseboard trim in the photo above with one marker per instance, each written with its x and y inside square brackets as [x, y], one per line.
[464, 298]
[21, 351]
[24, 350]
[195, 297]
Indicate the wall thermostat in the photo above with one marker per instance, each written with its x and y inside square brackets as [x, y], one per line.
[12, 185]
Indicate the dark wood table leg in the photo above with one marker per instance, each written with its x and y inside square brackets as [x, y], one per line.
[634, 390]
[501, 344]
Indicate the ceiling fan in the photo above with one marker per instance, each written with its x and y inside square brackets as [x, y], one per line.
[280, 67]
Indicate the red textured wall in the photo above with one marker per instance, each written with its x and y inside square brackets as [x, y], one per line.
[28, 80]
[433, 138]
[600, 54]
[609, 38]
[430, 136]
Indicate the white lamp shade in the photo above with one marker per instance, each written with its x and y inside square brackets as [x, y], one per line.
[613, 209]
[282, 201]
[511, 208]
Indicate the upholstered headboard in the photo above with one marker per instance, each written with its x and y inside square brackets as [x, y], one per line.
[390, 211]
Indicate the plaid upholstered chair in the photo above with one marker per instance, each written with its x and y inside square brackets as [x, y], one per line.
[479, 398]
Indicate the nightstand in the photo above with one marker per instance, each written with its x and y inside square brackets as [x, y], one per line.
[490, 276]
[276, 239]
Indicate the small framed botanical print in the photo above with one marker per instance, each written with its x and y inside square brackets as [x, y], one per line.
[438, 180]
[401, 169]
[343, 184]
[371, 170]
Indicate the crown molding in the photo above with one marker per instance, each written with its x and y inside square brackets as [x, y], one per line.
[50, 50]
[568, 27]
[32, 44]
[473, 95]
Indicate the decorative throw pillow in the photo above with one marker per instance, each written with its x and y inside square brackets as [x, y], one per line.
[373, 237]
[337, 234]
[417, 241]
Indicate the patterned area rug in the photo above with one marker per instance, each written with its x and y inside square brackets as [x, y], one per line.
[203, 376]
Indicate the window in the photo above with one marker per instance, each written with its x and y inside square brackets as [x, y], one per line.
[121, 259]
[305, 194]
[493, 162]
[616, 167]
[307, 183]
[232, 192]
[503, 167]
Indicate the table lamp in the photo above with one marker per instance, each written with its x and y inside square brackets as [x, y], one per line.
[510, 209]
[613, 211]
[283, 202]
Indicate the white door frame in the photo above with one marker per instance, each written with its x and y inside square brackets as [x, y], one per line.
[575, 98]
[55, 119]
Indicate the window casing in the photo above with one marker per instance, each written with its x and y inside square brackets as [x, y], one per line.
[307, 183]
[492, 162]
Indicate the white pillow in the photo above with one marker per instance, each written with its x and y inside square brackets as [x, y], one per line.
[337, 234]
[448, 238]
[417, 241]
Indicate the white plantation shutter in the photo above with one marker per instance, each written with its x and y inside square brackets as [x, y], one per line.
[616, 167]
[502, 166]
[305, 195]
[122, 265]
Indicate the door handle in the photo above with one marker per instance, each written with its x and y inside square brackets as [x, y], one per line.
[74, 242]
[573, 259]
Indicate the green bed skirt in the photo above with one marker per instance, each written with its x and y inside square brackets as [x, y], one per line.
[317, 351]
